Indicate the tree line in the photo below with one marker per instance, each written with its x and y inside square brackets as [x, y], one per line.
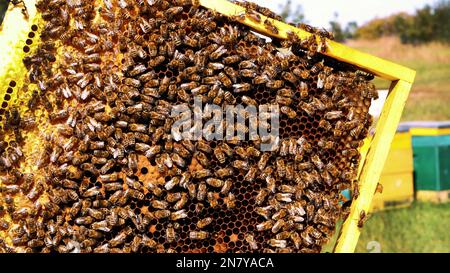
[430, 23]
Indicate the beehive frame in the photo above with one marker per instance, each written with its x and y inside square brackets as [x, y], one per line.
[15, 33]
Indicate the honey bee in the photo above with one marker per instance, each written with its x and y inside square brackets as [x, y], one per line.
[180, 150]
[325, 124]
[36, 191]
[275, 84]
[284, 197]
[225, 80]
[338, 128]
[288, 111]
[220, 155]
[226, 186]
[185, 179]
[327, 177]
[159, 204]
[261, 79]
[304, 145]
[350, 152]
[112, 177]
[284, 147]
[34, 100]
[283, 100]
[204, 222]
[379, 188]
[214, 182]
[355, 192]
[161, 214]
[202, 174]
[224, 172]
[231, 59]
[264, 211]
[355, 132]
[212, 67]
[333, 115]
[212, 199]
[219, 52]
[201, 192]
[136, 243]
[252, 151]
[271, 27]
[266, 225]
[230, 201]
[240, 164]
[362, 218]
[251, 174]
[239, 88]
[148, 242]
[337, 93]
[263, 161]
[253, 16]
[271, 183]
[315, 159]
[198, 235]
[281, 167]
[121, 237]
[4, 225]
[84, 220]
[296, 239]
[246, 73]
[170, 233]
[370, 92]
[174, 181]
[261, 196]
[278, 226]
[287, 188]
[277, 243]
[219, 97]
[251, 241]
[202, 159]
[229, 97]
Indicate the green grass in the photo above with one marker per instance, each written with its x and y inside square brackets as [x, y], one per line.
[424, 227]
[430, 95]
[421, 228]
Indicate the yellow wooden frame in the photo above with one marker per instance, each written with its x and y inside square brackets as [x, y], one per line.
[402, 79]
[12, 39]
[13, 35]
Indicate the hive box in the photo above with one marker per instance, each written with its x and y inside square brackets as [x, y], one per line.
[397, 175]
[431, 148]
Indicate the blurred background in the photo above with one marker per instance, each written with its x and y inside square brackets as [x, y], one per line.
[413, 213]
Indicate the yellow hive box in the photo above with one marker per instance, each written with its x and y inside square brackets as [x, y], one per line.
[428, 128]
[398, 191]
[397, 175]
[400, 157]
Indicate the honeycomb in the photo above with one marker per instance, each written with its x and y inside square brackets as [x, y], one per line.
[88, 162]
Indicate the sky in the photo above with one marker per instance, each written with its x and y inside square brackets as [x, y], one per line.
[319, 12]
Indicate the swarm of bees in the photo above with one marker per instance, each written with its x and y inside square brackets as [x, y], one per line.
[109, 175]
